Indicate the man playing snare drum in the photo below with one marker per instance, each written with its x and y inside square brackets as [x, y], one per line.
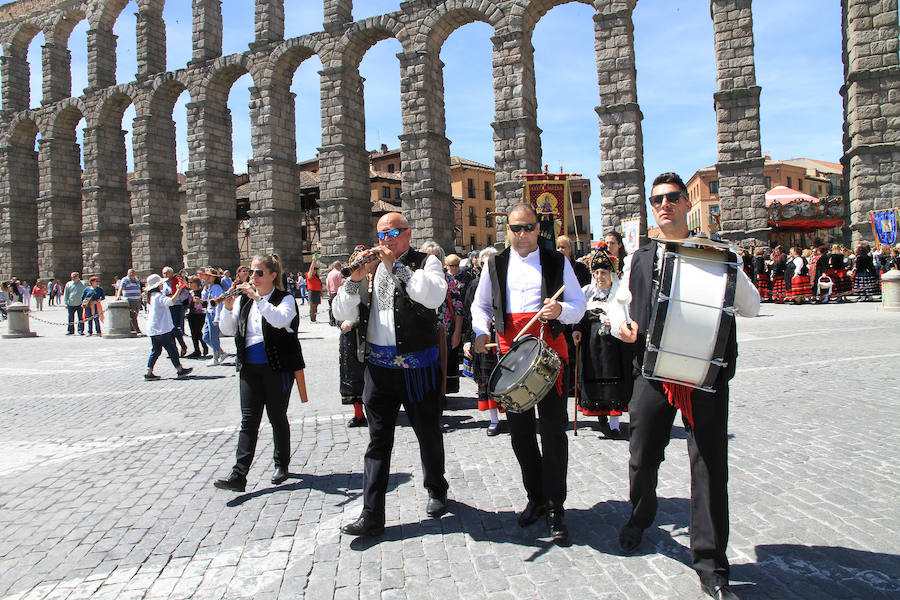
[516, 284]
[652, 408]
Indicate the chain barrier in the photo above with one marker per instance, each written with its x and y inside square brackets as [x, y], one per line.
[94, 317]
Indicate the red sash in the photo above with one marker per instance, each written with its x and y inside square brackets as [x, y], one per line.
[514, 324]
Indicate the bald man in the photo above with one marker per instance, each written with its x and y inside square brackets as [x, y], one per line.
[402, 367]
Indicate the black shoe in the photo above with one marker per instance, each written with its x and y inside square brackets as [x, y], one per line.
[234, 483]
[357, 422]
[436, 506]
[630, 538]
[184, 372]
[151, 377]
[614, 434]
[280, 475]
[193, 354]
[719, 592]
[532, 513]
[365, 525]
[493, 429]
[557, 525]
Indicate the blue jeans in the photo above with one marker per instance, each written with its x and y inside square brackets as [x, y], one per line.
[211, 335]
[75, 311]
[167, 341]
[92, 316]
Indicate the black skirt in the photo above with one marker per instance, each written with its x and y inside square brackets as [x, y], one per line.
[351, 384]
[604, 371]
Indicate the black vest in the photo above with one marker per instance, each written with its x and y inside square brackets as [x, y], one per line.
[644, 287]
[552, 277]
[415, 325]
[283, 351]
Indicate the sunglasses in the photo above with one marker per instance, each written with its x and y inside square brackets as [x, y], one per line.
[529, 227]
[452, 265]
[672, 197]
[257, 272]
[391, 233]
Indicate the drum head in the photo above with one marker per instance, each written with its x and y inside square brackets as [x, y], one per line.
[514, 365]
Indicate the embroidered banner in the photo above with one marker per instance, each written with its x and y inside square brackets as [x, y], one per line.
[631, 234]
[550, 199]
[884, 224]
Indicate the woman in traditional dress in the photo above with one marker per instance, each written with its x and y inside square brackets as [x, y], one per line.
[604, 367]
[761, 273]
[837, 272]
[865, 278]
[777, 264]
[801, 290]
[353, 359]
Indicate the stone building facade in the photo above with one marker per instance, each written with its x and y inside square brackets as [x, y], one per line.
[54, 218]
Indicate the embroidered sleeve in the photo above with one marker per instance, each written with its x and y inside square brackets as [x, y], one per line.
[402, 272]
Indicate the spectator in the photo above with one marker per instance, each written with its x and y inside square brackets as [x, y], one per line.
[211, 291]
[301, 286]
[130, 288]
[72, 297]
[90, 301]
[333, 282]
[177, 308]
[196, 317]
[227, 280]
[39, 291]
[314, 284]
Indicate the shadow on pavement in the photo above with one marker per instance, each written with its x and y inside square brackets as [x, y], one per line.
[339, 484]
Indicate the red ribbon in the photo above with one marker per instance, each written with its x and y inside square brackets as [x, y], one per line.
[679, 396]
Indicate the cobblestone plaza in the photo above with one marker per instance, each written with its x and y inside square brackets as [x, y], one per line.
[107, 482]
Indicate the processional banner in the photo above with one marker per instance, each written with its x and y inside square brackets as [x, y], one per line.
[550, 199]
[884, 224]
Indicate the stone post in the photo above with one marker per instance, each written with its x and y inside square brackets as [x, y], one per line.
[59, 206]
[425, 150]
[345, 208]
[268, 21]
[18, 199]
[16, 87]
[101, 44]
[742, 189]
[207, 30]
[517, 137]
[18, 325]
[621, 136]
[337, 14]
[151, 44]
[118, 321]
[211, 223]
[155, 206]
[57, 72]
[871, 94]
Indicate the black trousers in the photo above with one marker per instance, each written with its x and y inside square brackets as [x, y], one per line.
[543, 469]
[650, 418]
[196, 322]
[385, 390]
[261, 387]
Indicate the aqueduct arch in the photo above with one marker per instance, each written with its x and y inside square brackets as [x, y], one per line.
[55, 218]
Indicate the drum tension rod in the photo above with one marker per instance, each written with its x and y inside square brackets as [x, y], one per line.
[666, 379]
[729, 309]
[713, 361]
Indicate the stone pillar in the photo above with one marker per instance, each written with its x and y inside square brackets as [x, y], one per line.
[18, 212]
[425, 150]
[268, 21]
[151, 44]
[742, 189]
[57, 71]
[345, 207]
[621, 136]
[207, 30]
[211, 223]
[16, 86]
[59, 206]
[118, 320]
[517, 137]
[106, 218]
[18, 325]
[337, 14]
[871, 94]
[155, 206]
[101, 44]
[275, 216]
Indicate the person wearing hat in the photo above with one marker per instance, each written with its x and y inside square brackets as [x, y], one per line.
[160, 327]
[604, 366]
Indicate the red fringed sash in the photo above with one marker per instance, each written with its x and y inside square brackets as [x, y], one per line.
[679, 396]
[514, 324]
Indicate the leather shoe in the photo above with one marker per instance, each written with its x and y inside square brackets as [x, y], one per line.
[280, 475]
[630, 538]
[719, 592]
[364, 525]
[234, 483]
[493, 429]
[436, 506]
[532, 513]
[357, 422]
[557, 525]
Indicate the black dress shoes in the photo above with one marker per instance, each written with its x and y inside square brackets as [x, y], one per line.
[357, 422]
[280, 475]
[365, 525]
[719, 592]
[630, 538]
[234, 483]
[436, 506]
[532, 513]
[493, 429]
[557, 525]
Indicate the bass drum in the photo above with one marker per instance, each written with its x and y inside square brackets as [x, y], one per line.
[524, 375]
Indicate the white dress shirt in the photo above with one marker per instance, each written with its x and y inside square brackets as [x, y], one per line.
[746, 296]
[523, 292]
[427, 286]
[278, 316]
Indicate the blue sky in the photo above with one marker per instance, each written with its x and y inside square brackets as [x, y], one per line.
[798, 66]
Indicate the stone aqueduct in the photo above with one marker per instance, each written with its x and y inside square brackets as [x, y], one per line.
[55, 218]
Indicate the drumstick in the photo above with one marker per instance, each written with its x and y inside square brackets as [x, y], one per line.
[577, 349]
[535, 317]
[625, 300]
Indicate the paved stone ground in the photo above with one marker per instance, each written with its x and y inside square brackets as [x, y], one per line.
[106, 482]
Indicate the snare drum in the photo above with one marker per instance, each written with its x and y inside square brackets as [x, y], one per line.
[692, 314]
[524, 375]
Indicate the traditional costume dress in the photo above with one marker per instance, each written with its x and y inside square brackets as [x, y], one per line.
[604, 365]
[865, 278]
[801, 290]
[777, 274]
[763, 284]
[352, 352]
[837, 272]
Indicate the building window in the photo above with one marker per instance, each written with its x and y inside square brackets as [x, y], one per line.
[713, 187]
[391, 168]
[471, 188]
[490, 240]
[472, 221]
[800, 184]
[576, 197]
[487, 190]
[386, 191]
[789, 183]
[714, 212]
[579, 224]
[488, 221]
[768, 181]
[472, 245]
[397, 193]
